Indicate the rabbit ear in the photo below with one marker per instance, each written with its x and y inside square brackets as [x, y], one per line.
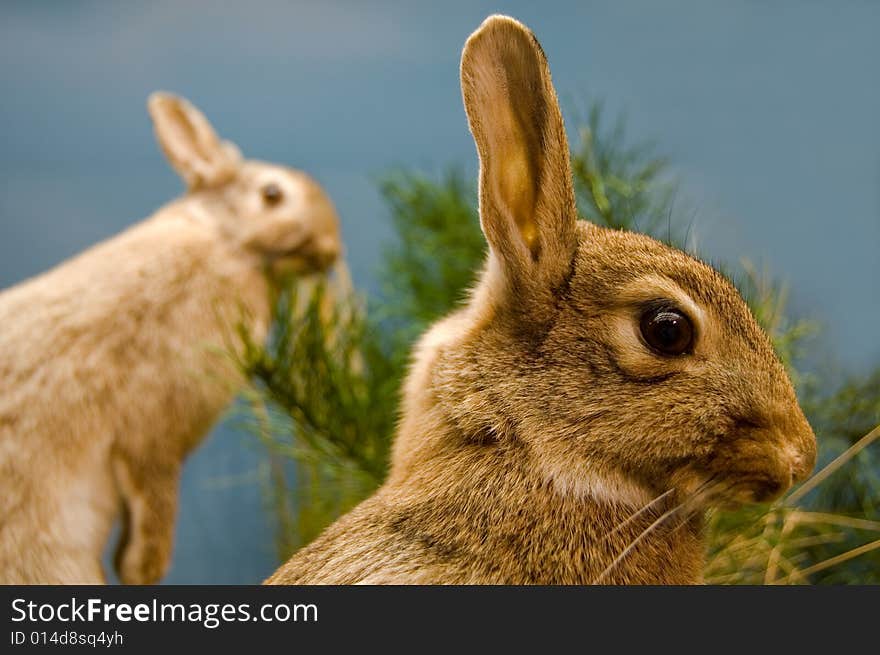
[527, 205]
[190, 143]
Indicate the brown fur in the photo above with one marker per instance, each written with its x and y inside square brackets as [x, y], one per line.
[112, 365]
[536, 422]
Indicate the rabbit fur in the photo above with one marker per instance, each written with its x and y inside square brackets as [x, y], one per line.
[541, 439]
[114, 364]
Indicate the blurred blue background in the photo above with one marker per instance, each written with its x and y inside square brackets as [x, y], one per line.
[770, 113]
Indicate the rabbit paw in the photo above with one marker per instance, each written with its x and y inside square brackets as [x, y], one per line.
[143, 559]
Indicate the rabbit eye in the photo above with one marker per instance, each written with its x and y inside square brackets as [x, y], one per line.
[667, 331]
[272, 194]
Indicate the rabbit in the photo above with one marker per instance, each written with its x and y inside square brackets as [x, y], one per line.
[598, 391]
[115, 364]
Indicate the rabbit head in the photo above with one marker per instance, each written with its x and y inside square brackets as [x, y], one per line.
[276, 213]
[625, 367]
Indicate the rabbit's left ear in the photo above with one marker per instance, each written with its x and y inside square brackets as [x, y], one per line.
[190, 143]
[527, 205]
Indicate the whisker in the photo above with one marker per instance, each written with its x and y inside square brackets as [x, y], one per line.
[632, 517]
[702, 493]
[635, 542]
[694, 499]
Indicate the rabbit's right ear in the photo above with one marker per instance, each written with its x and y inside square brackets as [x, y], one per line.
[527, 205]
[190, 143]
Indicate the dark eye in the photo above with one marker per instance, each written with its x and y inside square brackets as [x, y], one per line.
[272, 194]
[667, 331]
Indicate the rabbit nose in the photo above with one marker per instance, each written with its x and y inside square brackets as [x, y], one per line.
[800, 470]
[802, 465]
[803, 452]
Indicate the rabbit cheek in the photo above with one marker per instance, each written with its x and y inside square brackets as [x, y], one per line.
[310, 254]
[275, 240]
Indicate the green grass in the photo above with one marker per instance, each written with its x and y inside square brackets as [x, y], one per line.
[326, 385]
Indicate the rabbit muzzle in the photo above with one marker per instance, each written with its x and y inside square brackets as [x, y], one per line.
[755, 462]
[312, 255]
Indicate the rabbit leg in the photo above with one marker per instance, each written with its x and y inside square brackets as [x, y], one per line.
[149, 496]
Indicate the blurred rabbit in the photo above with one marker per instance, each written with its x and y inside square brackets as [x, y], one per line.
[113, 364]
[598, 391]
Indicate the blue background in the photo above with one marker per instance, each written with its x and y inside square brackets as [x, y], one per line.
[769, 112]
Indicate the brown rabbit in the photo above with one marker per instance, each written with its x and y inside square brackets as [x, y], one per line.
[599, 388]
[112, 365]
